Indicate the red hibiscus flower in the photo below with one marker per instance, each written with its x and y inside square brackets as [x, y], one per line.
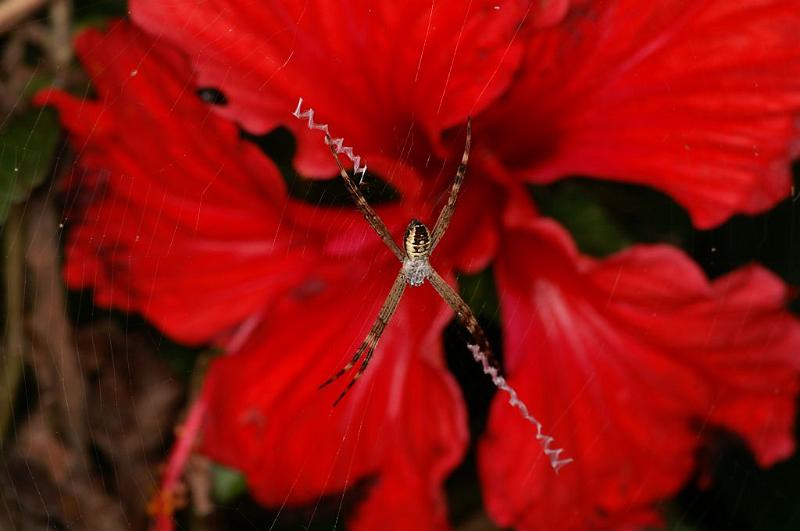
[162, 215]
[627, 360]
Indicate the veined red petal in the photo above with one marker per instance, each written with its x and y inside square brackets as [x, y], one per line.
[388, 77]
[629, 362]
[698, 99]
[402, 425]
[172, 214]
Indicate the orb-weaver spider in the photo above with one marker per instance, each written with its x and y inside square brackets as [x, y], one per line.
[418, 244]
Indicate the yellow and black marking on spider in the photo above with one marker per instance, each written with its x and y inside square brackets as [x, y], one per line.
[418, 244]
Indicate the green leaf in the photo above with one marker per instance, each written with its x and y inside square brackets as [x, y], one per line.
[97, 12]
[480, 293]
[27, 144]
[229, 484]
[595, 231]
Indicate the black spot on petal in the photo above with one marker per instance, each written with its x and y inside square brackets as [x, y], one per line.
[212, 96]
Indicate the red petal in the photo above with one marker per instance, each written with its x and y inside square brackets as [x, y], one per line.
[698, 99]
[379, 73]
[628, 362]
[176, 217]
[402, 424]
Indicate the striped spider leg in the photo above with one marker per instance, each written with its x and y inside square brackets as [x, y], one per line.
[370, 215]
[375, 333]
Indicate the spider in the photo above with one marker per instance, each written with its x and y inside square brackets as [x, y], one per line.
[418, 244]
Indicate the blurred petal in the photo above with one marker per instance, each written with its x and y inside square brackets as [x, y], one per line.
[172, 215]
[698, 99]
[629, 363]
[389, 77]
[402, 426]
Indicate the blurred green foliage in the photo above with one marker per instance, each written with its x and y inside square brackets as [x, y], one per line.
[27, 144]
[228, 484]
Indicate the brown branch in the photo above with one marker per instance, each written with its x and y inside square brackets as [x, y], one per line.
[51, 333]
[61, 39]
[12, 12]
[12, 359]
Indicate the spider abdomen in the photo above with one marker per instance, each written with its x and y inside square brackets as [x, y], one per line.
[417, 240]
[416, 270]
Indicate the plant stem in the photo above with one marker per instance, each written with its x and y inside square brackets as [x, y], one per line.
[49, 326]
[60, 39]
[12, 360]
[12, 12]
